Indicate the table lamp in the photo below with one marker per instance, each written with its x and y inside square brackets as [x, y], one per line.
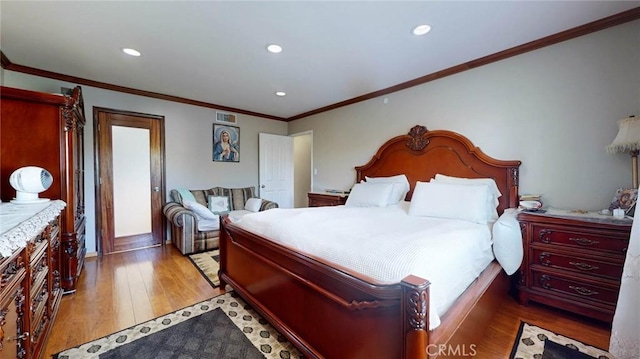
[628, 140]
[28, 182]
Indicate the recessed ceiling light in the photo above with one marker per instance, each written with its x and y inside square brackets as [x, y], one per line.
[281, 93]
[131, 52]
[421, 29]
[274, 48]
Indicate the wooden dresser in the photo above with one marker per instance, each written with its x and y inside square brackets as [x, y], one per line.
[30, 289]
[573, 263]
[320, 199]
[46, 130]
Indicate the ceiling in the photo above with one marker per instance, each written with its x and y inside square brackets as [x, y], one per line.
[214, 51]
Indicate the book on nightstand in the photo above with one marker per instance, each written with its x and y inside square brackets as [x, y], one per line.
[530, 202]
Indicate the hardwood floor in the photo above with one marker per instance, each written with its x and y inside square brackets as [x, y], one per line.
[500, 336]
[121, 290]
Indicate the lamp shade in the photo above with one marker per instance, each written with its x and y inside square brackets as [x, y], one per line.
[628, 137]
[28, 182]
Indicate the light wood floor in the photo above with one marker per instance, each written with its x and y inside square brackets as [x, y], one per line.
[121, 290]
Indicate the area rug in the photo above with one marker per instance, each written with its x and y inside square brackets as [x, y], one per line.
[207, 264]
[533, 342]
[221, 327]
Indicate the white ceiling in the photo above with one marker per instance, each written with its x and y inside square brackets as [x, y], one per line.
[214, 51]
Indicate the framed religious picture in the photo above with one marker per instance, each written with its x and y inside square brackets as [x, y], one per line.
[226, 143]
[624, 198]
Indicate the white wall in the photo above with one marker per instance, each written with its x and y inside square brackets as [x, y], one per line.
[188, 140]
[554, 109]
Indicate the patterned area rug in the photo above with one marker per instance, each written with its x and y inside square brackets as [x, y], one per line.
[207, 264]
[221, 327]
[533, 342]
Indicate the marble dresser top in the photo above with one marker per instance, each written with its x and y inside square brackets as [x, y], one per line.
[21, 222]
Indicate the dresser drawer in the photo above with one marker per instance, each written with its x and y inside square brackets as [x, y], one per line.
[611, 269]
[573, 287]
[38, 305]
[37, 249]
[39, 271]
[574, 238]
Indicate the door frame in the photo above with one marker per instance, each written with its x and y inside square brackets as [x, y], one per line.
[96, 172]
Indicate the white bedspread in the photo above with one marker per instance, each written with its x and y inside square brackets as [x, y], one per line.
[385, 244]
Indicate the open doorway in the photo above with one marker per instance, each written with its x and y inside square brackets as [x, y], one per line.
[302, 167]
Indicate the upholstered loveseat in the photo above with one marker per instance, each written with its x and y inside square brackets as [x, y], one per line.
[190, 231]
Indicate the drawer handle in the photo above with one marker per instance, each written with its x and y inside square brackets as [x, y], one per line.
[544, 281]
[584, 241]
[583, 290]
[583, 266]
[19, 337]
[544, 258]
[543, 235]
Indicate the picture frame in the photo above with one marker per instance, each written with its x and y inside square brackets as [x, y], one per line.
[226, 143]
[226, 117]
[624, 198]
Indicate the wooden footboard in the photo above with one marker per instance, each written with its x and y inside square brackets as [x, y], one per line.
[326, 312]
[329, 312]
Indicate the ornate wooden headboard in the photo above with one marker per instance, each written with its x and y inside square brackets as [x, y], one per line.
[421, 154]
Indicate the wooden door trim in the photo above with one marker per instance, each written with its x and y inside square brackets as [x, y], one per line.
[97, 169]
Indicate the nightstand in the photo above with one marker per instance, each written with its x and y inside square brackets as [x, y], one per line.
[321, 199]
[573, 263]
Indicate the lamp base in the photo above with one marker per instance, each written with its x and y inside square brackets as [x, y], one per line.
[29, 201]
[23, 197]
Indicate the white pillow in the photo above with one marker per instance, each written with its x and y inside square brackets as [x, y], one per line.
[453, 201]
[253, 204]
[507, 241]
[492, 202]
[400, 191]
[200, 210]
[370, 195]
[218, 204]
[207, 225]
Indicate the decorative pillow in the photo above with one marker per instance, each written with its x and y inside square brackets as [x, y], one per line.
[200, 210]
[370, 195]
[453, 201]
[253, 204]
[185, 194]
[237, 196]
[492, 201]
[507, 241]
[218, 204]
[400, 190]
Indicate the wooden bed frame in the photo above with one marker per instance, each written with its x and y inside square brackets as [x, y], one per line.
[328, 311]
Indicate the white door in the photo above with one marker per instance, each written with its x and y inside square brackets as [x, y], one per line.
[276, 169]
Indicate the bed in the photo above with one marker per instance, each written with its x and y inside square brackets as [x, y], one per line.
[330, 311]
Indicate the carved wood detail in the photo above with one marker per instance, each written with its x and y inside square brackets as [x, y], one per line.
[417, 142]
[416, 308]
[3, 315]
[515, 176]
